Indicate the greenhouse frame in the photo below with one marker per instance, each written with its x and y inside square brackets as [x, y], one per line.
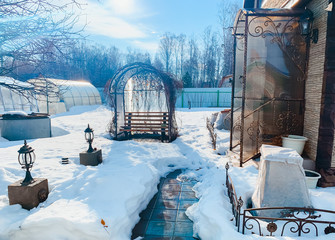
[16, 96]
[57, 95]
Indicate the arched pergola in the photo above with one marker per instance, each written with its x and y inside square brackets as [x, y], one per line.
[143, 99]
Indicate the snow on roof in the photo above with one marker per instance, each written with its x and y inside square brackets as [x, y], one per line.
[11, 81]
[63, 82]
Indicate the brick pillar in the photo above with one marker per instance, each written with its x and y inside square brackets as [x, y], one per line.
[327, 115]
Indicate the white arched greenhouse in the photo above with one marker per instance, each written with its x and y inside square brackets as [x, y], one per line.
[16, 96]
[57, 95]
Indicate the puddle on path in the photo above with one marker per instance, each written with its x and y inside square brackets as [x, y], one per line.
[165, 218]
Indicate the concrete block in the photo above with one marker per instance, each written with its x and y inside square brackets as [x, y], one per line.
[20, 129]
[91, 158]
[28, 196]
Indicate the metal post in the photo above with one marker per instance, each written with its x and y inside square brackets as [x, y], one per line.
[232, 99]
[244, 86]
[47, 92]
[128, 134]
[115, 113]
[182, 98]
[163, 127]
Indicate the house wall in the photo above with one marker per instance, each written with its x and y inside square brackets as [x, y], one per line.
[328, 105]
[315, 76]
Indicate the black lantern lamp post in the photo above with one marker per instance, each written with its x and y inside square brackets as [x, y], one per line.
[89, 136]
[306, 27]
[26, 159]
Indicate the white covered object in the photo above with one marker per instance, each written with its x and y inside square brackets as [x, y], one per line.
[281, 181]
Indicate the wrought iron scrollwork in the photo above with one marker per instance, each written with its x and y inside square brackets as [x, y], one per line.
[250, 226]
[329, 229]
[255, 132]
[240, 42]
[237, 128]
[285, 35]
[308, 213]
[293, 219]
[271, 227]
[287, 121]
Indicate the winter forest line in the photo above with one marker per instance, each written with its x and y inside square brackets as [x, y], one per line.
[199, 61]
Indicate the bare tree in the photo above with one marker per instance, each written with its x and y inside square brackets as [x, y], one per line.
[182, 41]
[179, 52]
[191, 65]
[33, 31]
[210, 57]
[166, 46]
[133, 56]
[157, 63]
[227, 15]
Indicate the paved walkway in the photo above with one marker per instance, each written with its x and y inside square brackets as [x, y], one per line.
[165, 218]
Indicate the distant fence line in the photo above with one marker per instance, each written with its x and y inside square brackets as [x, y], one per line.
[198, 97]
[204, 97]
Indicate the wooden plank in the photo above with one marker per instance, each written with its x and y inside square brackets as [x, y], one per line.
[145, 112]
[159, 128]
[147, 120]
[143, 124]
[144, 127]
[145, 115]
[141, 130]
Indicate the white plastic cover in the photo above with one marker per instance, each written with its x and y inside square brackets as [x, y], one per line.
[281, 181]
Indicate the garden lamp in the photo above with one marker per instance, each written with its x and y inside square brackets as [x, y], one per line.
[26, 159]
[306, 27]
[89, 136]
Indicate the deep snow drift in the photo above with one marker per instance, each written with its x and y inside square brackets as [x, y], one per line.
[120, 188]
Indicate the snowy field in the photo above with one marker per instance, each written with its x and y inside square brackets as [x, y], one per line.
[120, 188]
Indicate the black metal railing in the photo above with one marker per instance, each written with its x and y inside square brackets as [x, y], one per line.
[236, 203]
[210, 127]
[292, 220]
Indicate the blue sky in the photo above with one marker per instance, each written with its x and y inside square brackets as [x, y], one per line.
[139, 24]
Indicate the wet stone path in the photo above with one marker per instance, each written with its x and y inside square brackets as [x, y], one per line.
[165, 218]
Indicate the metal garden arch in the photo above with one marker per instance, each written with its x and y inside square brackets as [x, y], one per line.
[143, 101]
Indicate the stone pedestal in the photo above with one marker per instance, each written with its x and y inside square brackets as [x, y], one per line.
[91, 158]
[28, 196]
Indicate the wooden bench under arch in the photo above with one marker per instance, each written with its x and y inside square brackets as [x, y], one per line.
[149, 114]
[142, 122]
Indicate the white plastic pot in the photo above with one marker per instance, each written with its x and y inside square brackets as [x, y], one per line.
[311, 178]
[295, 142]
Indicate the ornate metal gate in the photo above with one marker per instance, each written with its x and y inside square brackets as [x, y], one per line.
[269, 78]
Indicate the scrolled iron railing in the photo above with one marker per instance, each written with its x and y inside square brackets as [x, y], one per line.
[294, 220]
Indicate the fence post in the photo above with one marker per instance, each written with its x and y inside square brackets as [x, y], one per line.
[218, 97]
[182, 98]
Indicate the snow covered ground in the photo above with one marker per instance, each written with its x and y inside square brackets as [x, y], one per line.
[120, 188]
